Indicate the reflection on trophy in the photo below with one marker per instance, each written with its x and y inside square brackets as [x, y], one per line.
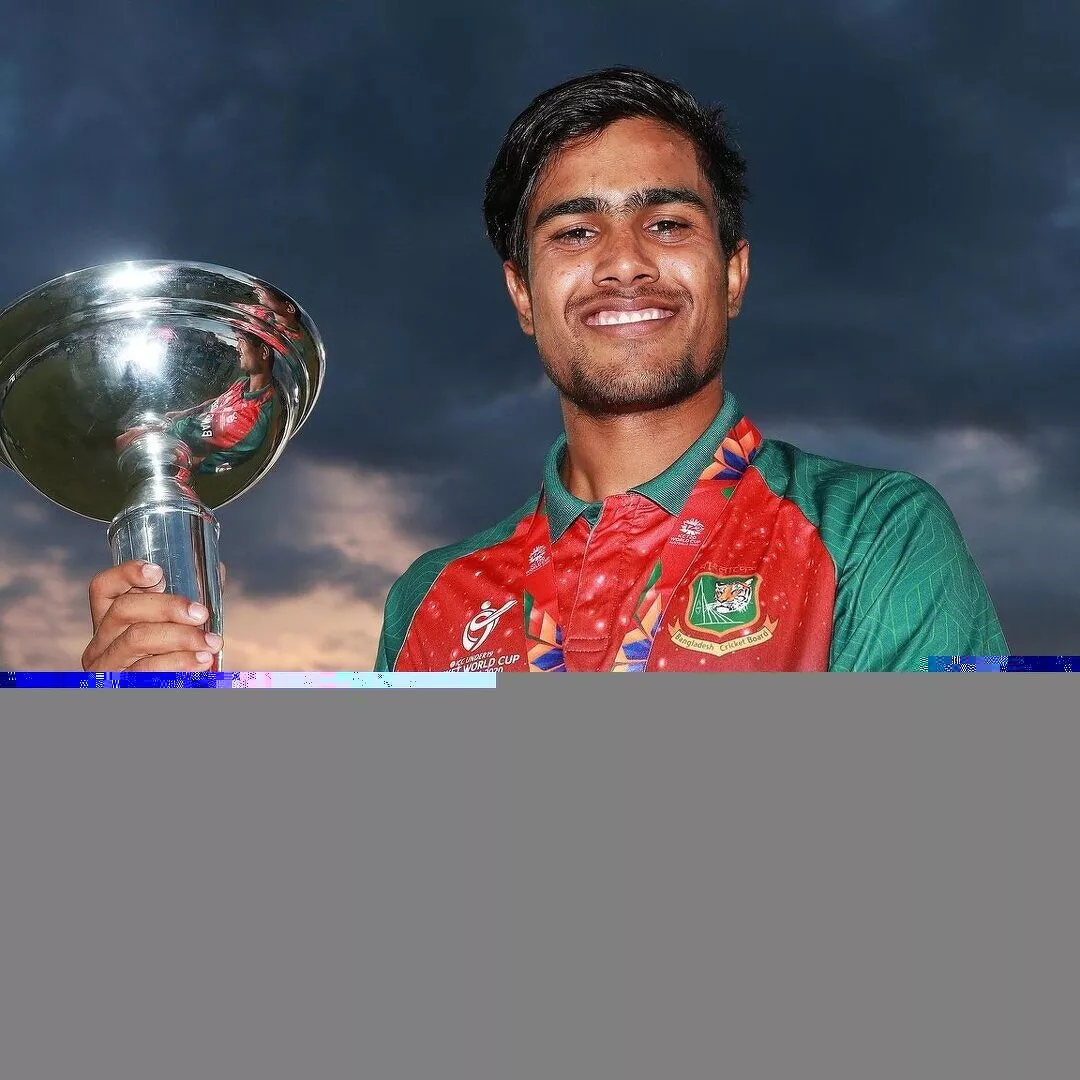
[148, 394]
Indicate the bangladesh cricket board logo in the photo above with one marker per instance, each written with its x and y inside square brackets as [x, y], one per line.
[728, 611]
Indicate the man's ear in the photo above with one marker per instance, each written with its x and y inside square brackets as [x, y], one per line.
[738, 275]
[518, 288]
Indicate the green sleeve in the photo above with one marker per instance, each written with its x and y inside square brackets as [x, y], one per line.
[382, 657]
[392, 633]
[187, 429]
[380, 654]
[405, 596]
[909, 587]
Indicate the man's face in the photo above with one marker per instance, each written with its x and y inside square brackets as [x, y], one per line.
[629, 292]
[253, 358]
[277, 304]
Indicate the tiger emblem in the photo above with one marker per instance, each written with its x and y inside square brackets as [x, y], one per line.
[730, 597]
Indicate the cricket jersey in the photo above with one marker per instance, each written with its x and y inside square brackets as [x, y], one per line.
[230, 428]
[747, 554]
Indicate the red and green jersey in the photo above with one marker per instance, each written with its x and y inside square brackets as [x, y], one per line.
[228, 429]
[747, 554]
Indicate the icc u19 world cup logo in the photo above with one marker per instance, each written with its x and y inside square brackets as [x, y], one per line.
[482, 623]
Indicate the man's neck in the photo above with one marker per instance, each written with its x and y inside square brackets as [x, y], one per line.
[610, 455]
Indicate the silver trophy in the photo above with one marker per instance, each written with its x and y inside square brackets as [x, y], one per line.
[149, 394]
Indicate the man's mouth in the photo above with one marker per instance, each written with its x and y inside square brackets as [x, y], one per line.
[618, 318]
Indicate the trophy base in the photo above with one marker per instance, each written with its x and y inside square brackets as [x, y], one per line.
[181, 538]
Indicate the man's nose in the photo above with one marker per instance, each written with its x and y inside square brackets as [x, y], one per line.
[624, 258]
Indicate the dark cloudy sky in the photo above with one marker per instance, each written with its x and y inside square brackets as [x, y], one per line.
[915, 235]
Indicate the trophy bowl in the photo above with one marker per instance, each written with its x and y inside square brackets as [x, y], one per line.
[148, 394]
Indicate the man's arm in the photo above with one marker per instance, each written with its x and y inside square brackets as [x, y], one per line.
[394, 624]
[910, 588]
[381, 661]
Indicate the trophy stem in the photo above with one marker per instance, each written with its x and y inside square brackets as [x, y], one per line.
[164, 522]
[183, 541]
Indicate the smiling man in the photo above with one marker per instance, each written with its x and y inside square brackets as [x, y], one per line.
[667, 534]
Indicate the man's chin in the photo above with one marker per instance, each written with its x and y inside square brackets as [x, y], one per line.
[620, 398]
[631, 380]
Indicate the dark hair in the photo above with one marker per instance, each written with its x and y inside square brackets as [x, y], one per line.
[585, 106]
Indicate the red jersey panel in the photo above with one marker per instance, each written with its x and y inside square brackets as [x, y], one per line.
[639, 590]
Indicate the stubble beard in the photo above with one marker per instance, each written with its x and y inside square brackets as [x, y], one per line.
[616, 392]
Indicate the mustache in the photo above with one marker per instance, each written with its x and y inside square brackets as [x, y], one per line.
[651, 297]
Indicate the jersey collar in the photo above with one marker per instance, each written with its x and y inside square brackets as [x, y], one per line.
[250, 395]
[669, 490]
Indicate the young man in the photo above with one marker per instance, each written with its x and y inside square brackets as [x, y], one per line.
[668, 534]
[225, 431]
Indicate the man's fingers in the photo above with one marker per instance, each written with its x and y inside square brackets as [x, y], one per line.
[153, 607]
[115, 582]
[151, 647]
[147, 608]
[177, 661]
[140, 627]
[140, 623]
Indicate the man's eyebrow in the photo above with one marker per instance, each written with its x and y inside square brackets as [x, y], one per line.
[637, 200]
[585, 204]
[663, 196]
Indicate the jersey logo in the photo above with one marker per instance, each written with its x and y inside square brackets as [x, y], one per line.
[537, 558]
[482, 623]
[730, 598]
[726, 609]
[689, 533]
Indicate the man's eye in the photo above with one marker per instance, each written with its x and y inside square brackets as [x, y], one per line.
[667, 227]
[576, 235]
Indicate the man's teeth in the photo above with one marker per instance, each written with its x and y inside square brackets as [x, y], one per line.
[613, 318]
